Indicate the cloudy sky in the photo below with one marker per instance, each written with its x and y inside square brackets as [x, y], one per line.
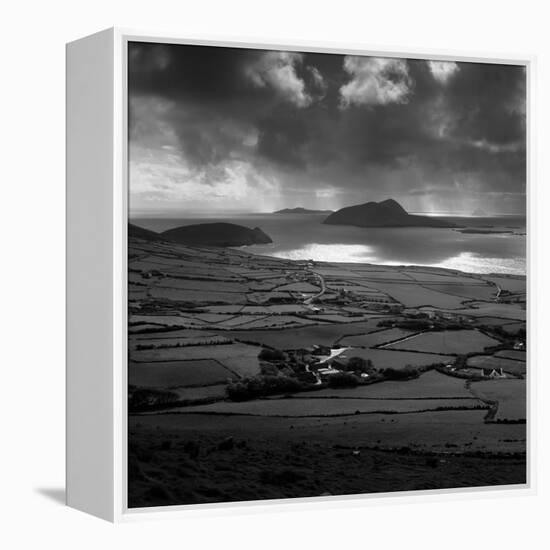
[216, 130]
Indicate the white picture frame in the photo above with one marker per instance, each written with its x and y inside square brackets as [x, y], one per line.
[97, 217]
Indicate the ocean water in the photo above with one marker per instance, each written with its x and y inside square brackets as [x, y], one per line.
[305, 237]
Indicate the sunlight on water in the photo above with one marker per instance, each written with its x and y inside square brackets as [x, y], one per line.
[474, 263]
[356, 253]
[305, 237]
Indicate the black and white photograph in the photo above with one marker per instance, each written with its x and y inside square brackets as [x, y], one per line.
[288, 268]
[326, 274]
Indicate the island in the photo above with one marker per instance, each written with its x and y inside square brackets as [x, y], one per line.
[301, 210]
[388, 213]
[204, 234]
[218, 234]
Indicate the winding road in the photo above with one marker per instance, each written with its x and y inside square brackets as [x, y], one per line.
[308, 301]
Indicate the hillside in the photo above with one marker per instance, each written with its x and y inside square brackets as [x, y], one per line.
[142, 233]
[388, 213]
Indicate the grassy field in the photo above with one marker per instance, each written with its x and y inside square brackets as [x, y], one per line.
[266, 297]
[468, 291]
[388, 358]
[136, 292]
[208, 286]
[493, 321]
[240, 358]
[431, 384]
[448, 342]
[510, 394]
[160, 334]
[213, 318]
[167, 341]
[504, 311]
[237, 320]
[336, 271]
[229, 309]
[288, 308]
[510, 283]
[445, 277]
[166, 320]
[199, 372]
[299, 287]
[306, 336]
[513, 328]
[353, 287]
[375, 338]
[198, 296]
[255, 310]
[438, 431]
[272, 321]
[511, 354]
[490, 362]
[411, 294]
[143, 329]
[379, 273]
[203, 392]
[336, 318]
[319, 406]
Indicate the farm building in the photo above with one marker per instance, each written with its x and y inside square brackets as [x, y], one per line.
[519, 346]
[494, 374]
[327, 371]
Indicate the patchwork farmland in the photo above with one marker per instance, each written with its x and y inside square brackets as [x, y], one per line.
[416, 369]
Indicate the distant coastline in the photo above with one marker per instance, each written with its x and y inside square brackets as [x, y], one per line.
[297, 236]
[301, 210]
[464, 263]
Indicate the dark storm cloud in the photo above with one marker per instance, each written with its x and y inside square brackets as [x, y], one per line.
[217, 92]
[283, 137]
[460, 125]
[359, 120]
[183, 72]
[489, 103]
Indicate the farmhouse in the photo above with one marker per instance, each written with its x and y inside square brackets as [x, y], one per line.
[333, 354]
[494, 374]
[519, 346]
[327, 371]
[497, 374]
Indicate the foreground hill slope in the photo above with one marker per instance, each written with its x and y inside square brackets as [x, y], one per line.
[388, 213]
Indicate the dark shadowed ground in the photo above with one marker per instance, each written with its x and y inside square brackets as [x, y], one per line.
[187, 467]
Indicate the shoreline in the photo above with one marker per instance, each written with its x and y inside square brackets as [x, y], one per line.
[397, 266]
[299, 239]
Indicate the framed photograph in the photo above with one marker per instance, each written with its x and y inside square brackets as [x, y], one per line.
[295, 274]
